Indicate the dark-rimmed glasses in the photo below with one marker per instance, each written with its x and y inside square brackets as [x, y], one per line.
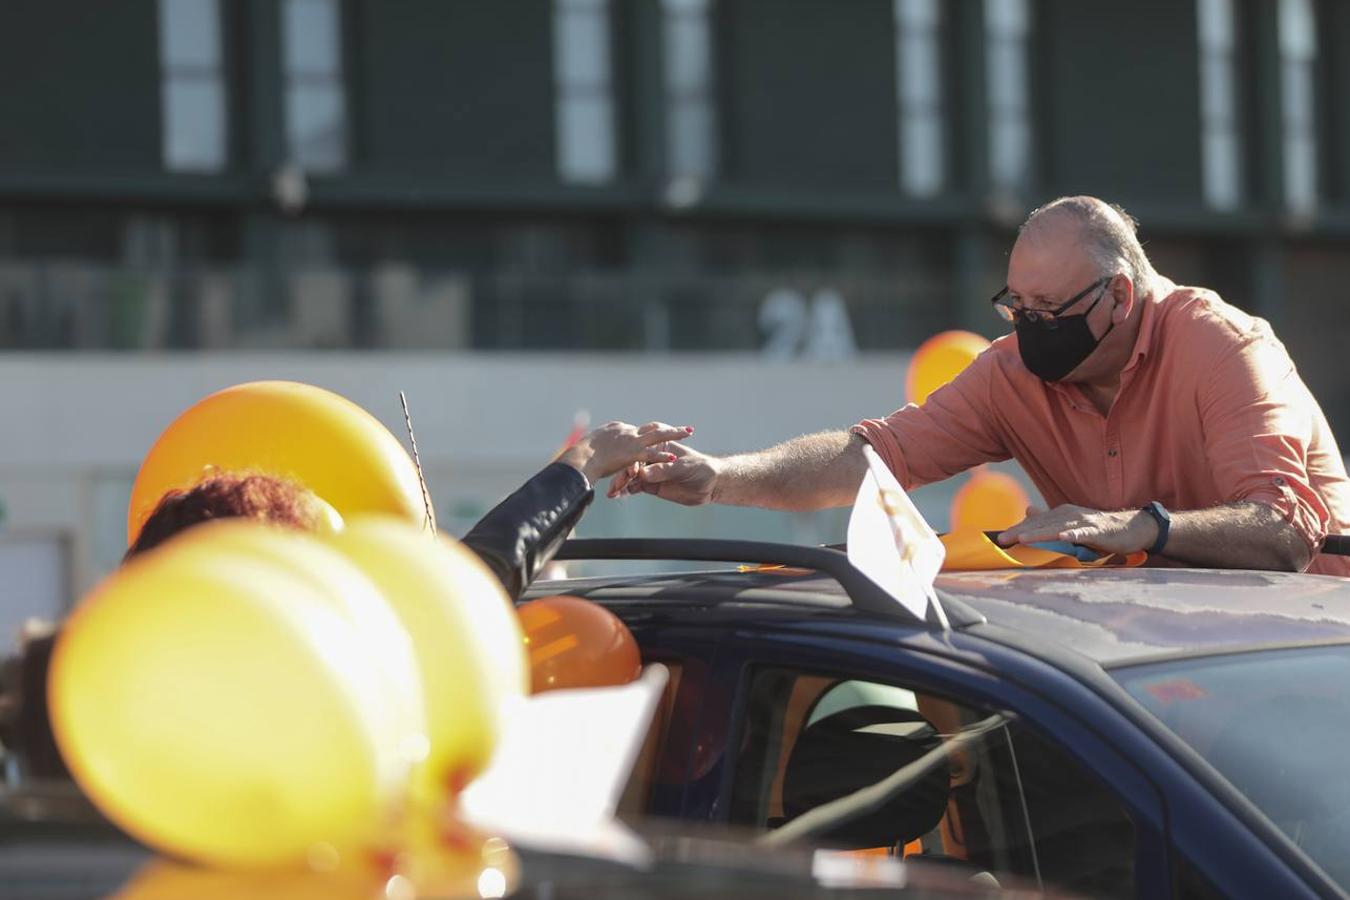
[1011, 312]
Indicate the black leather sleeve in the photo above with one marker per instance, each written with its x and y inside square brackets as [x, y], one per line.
[523, 532]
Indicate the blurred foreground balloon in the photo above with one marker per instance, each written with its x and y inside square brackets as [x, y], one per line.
[575, 643]
[940, 359]
[232, 707]
[989, 501]
[467, 638]
[321, 440]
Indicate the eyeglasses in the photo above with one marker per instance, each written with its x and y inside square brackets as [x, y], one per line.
[1011, 312]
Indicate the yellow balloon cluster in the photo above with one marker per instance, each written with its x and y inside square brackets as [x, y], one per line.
[243, 694]
[317, 438]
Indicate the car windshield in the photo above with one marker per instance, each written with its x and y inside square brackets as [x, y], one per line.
[1274, 723]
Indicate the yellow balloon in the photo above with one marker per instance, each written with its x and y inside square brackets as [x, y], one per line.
[989, 501]
[321, 440]
[350, 593]
[940, 359]
[222, 709]
[468, 640]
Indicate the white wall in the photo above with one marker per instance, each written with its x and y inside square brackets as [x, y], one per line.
[75, 427]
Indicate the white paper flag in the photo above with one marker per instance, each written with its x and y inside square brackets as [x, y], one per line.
[890, 543]
[564, 758]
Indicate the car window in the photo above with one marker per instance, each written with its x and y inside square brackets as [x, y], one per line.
[1275, 724]
[1011, 805]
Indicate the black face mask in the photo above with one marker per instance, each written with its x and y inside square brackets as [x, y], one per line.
[1053, 348]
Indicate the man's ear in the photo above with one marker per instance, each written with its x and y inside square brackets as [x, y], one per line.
[1122, 292]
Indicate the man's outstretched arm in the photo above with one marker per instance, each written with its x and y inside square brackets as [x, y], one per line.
[814, 471]
[1242, 535]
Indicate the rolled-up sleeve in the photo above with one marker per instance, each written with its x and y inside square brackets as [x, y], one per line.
[1259, 420]
[951, 432]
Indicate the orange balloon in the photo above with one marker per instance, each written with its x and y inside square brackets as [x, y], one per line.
[989, 501]
[940, 359]
[574, 643]
[316, 437]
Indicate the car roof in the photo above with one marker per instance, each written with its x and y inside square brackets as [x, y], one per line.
[1112, 616]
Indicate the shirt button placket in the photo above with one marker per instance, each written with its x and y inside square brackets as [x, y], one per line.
[1115, 475]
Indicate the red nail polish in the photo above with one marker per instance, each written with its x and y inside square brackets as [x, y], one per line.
[689, 429]
[670, 457]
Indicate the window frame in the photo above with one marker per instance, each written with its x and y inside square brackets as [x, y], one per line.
[953, 678]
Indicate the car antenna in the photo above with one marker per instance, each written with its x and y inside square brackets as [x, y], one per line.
[430, 518]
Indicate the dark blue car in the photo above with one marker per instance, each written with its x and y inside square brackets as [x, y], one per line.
[1113, 732]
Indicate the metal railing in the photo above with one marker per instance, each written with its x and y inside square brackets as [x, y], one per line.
[76, 306]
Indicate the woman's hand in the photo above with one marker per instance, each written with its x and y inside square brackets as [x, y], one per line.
[616, 446]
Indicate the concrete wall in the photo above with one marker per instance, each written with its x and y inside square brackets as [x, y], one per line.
[76, 427]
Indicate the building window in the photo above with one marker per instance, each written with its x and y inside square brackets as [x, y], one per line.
[315, 104]
[585, 100]
[918, 85]
[1220, 144]
[691, 109]
[1298, 57]
[192, 85]
[1007, 25]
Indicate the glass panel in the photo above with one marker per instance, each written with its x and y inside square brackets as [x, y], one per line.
[316, 126]
[1216, 89]
[1007, 18]
[916, 14]
[1009, 152]
[1215, 22]
[1298, 30]
[189, 33]
[692, 139]
[1300, 174]
[921, 154]
[1223, 189]
[194, 124]
[581, 48]
[688, 55]
[1275, 724]
[918, 69]
[586, 138]
[1007, 76]
[313, 44]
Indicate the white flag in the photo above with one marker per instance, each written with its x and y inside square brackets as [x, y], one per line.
[555, 780]
[890, 543]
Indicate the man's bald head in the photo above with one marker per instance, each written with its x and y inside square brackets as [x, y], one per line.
[1104, 231]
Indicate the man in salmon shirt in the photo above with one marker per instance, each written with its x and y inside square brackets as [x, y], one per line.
[1150, 417]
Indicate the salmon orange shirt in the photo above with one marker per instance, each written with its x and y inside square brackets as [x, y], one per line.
[1210, 411]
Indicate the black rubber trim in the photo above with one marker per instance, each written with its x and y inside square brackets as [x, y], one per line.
[865, 594]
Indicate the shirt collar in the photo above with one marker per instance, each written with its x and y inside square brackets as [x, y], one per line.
[1148, 322]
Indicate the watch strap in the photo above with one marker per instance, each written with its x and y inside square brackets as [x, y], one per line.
[1164, 520]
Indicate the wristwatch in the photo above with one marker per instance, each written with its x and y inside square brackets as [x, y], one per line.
[1164, 520]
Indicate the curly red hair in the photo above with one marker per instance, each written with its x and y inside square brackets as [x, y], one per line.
[266, 498]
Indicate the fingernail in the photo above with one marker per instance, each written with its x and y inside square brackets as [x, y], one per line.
[689, 429]
[670, 457]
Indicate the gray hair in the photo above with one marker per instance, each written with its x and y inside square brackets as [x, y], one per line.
[1110, 235]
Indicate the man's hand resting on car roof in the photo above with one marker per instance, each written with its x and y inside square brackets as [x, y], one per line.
[1123, 531]
[616, 445]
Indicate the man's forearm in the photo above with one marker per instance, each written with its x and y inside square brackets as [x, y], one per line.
[1246, 535]
[814, 471]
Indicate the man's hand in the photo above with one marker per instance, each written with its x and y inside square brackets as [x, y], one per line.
[616, 445]
[689, 477]
[1125, 531]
